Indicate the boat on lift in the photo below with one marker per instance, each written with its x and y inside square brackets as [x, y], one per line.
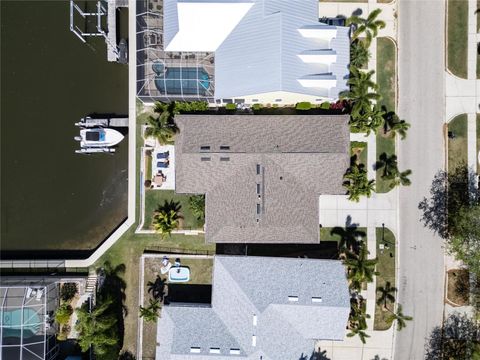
[99, 137]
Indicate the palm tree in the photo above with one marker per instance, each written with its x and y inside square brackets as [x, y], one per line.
[400, 317]
[97, 328]
[150, 313]
[348, 237]
[166, 218]
[157, 288]
[360, 93]
[357, 184]
[359, 54]
[162, 126]
[375, 119]
[386, 294]
[360, 268]
[361, 334]
[369, 26]
[392, 123]
[197, 205]
[401, 178]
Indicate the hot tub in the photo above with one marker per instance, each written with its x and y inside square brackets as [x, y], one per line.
[179, 274]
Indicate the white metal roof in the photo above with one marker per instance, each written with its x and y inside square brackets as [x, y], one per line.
[202, 26]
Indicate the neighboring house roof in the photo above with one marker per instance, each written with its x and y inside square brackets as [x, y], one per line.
[262, 175]
[262, 46]
[245, 288]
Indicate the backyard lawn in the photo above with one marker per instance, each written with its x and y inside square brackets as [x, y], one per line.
[457, 147]
[200, 274]
[387, 83]
[386, 268]
[154, 198]
[327, 235]
[127, 250]
[457, 37]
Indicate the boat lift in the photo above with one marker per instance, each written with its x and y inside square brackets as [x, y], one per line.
[103, 8]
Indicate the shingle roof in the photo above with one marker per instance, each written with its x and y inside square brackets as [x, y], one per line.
[287, 160]
[248, 286]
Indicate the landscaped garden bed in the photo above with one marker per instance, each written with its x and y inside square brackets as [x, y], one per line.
[360, 150]
[156, 198]
[458, 287]
[457, 142]
[457, 37]
[385, 282]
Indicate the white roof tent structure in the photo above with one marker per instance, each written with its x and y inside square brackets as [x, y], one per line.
[265, 50]
[25, 317]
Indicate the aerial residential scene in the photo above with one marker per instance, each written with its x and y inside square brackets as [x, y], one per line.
[240, 179]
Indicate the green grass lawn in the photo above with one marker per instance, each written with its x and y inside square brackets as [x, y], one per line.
[478, 142]
[457, 37]
[326, 234]
[148, 167]
[386, 72]
[360, 149]
[457, 147]
[384, 145]
[387, 83]
[386, 268]
[153, 198]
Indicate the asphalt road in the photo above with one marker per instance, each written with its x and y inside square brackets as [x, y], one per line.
[421, 72]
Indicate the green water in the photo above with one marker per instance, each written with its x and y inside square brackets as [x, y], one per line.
[52, 198]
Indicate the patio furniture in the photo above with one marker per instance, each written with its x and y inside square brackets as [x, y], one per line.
[163, 155]
[158, 180]
[162, 165]
[164, 269]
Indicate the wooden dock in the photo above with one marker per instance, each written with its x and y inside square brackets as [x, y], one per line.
[104, 122]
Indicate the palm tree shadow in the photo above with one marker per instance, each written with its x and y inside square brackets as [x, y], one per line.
[349, 235]
[316, 355]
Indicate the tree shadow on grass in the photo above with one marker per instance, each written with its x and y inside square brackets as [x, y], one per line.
[448, 194]
[349, 236]
[112, 286]
[457, 339]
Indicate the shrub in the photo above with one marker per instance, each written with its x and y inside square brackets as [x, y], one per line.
[231, 106]
[305, 105]
[256, 107]
[325, 105]
[192, 106]
[68, 291]
[63, 313]
[148, 184]
[358, 144]
[148, 153]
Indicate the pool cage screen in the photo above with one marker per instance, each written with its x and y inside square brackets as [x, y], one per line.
[26, 322]
[167, 76]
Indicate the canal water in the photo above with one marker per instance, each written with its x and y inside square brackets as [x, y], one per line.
[52, 198]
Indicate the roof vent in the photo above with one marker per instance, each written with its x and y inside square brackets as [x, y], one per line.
[224, 159]
[205, 147]
[254, 320]
[195, 350]
[316, 299]
[258, 169]
[234, 351]
[254, 340]
[293, 298]
[205, 159]
[224, 147]
[214, 350]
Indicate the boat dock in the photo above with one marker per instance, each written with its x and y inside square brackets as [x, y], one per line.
[103, 122]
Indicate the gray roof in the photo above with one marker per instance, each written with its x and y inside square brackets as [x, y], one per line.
[248, 286]
[299, 158]
[261, 54]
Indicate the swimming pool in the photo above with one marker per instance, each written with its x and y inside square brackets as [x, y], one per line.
[12, 323]
[178, 80]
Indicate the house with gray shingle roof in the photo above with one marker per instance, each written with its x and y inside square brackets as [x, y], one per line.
[262, 308]
[262, 175]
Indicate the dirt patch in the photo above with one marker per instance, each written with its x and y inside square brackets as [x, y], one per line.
[458, 287]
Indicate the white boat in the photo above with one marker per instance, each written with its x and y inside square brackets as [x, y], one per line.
[99, 137]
